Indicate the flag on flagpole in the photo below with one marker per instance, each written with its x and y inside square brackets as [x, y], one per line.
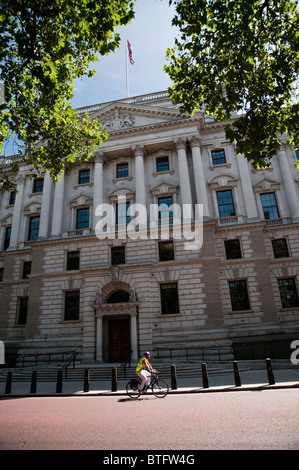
[130, 53]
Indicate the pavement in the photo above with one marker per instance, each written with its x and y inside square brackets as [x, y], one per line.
[253, 380]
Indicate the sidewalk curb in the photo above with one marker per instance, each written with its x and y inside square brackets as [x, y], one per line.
[179, 391]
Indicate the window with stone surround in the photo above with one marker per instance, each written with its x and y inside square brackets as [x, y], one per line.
[162, 164]
[233, 249]
[270, 207]
[225, 203]
[22, 311]
[166, 251]
[239, 295]
[118, 255]
[84, 176]
[169, 298]
[73, 260]
[33, 227]
[218, 157]
[38, 185]
[7, 236]
[82, 219]
[71, 305]
[288, 292]
[280, 248]
[122, 170]
[26, 269]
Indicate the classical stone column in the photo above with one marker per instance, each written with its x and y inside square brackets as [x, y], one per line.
[45, 209]
[58, 207]
[17, 213]
[200, 183]
[249, 199]
[99, 339]
[185, 186]
[134, 357]
[289, 185]
[139, 175]
[98, 191]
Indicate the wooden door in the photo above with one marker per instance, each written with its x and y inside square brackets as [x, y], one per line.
[118, 339]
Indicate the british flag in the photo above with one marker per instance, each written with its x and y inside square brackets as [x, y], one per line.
[130, 53]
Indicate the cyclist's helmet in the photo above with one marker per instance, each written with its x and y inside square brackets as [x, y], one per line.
[147, 354]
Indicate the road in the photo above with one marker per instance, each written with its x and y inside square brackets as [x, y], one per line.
[226, 420]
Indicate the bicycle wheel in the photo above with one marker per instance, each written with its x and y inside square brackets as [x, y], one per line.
[160, 388]
[133, 392]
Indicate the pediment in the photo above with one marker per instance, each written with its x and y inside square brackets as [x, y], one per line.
[163, 187]
[223, 180]
[118, 116]
[266, 184]
[81, 200]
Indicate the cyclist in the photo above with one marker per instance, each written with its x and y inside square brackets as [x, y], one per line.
[144, 374]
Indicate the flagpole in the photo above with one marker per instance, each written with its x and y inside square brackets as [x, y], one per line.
[127, 77]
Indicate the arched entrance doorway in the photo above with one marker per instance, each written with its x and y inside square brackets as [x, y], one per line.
[118, 334]
[116, 319]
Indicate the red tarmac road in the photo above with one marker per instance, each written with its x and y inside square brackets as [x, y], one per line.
[266, 419]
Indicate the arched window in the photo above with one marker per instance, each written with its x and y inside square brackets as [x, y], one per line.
[118, 296]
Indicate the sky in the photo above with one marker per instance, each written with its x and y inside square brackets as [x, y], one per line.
[150, 33]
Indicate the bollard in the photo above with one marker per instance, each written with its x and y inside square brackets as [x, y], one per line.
[205, 380]
[271, 379]
[114, 380]
[173, 377]
[237, 374]
[86, 381]
[59, 381]
[33, 382]
[8, 382]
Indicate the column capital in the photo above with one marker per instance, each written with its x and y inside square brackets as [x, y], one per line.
[195, 141]
[99, 157]
[180, 143]
[138, 150]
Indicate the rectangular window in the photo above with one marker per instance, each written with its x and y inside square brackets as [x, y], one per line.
[166, 251]
[7, 238]
[165, 214]
[73, 260]
[269, 206]
[280, 248]
[232, 249]
[1, 274]
[118, 255]
[122, 217]
[288, 293]
[23, 310]
[122, 170]
[84, 176]
[33, 228]
[225, 203]
[169, 298]
[71, 305]
[82, 218]
[162, 164]
[26, 269]
[218, 157]
[38, 185]
[12, 198]
[239, 295]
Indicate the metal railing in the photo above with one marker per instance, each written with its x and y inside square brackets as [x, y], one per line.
[64, 358]
[221, 354]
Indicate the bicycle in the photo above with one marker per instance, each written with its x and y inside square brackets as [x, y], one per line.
[158, 386]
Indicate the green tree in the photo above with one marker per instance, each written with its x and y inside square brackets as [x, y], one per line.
[44, 47]
[239, 56]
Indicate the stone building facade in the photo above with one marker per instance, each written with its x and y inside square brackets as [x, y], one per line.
[64, 286]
